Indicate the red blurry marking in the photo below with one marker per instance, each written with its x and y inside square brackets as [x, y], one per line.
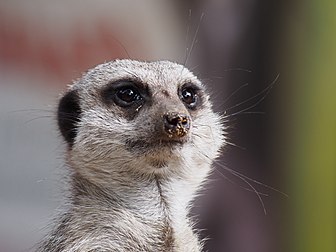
[48, 54]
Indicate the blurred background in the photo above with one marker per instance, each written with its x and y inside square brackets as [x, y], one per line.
[270, 66]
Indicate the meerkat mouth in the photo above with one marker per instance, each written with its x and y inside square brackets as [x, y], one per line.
[158, 153]
[156, 145]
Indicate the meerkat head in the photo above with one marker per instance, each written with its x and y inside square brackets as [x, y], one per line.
[147, 118]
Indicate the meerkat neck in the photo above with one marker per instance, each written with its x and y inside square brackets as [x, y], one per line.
[146, 195]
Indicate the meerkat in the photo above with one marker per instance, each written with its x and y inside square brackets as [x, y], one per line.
[141, 139]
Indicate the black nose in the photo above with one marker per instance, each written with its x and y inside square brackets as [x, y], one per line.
[176, 124]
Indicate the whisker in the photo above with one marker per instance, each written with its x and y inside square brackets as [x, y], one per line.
[194, 39]
[37, 118]
[253, 180]
[249, 184]
[187, 36]
[265, 90]
[193, 68]
[228, 118]
[236, 184]
[235, 145]
[235, 92]
[247, 181]
[264, 94]
[31, 110]
[244, 180]
[253, 113]
[226, 141]
[238, 69]
[257, 193]
[123, 47]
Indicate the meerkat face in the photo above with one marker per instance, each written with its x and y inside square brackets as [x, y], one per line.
[148, 118]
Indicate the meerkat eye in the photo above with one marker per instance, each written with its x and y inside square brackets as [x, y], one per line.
[189, 97]
[125, 93]
[128, 95]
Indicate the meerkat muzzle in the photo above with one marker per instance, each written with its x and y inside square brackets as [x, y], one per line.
[176, 125]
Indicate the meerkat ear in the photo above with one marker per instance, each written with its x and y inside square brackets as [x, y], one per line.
[68, 116]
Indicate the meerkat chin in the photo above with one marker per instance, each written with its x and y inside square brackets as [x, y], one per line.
[141, 139]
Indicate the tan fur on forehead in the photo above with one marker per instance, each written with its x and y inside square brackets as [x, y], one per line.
[164, 73]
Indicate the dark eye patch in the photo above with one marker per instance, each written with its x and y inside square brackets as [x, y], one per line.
[125, 93]
[191, 95]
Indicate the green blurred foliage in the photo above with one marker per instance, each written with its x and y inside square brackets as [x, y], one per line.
[313, 153]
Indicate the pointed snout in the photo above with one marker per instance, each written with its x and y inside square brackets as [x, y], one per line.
[176, 125]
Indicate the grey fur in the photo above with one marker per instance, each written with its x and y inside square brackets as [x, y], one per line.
[129, 191]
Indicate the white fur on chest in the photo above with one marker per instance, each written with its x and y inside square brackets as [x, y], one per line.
[149, 217]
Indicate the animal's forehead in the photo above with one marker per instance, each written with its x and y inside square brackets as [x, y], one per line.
[159, 73]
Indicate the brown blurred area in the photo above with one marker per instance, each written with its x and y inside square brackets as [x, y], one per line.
[239, 49]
